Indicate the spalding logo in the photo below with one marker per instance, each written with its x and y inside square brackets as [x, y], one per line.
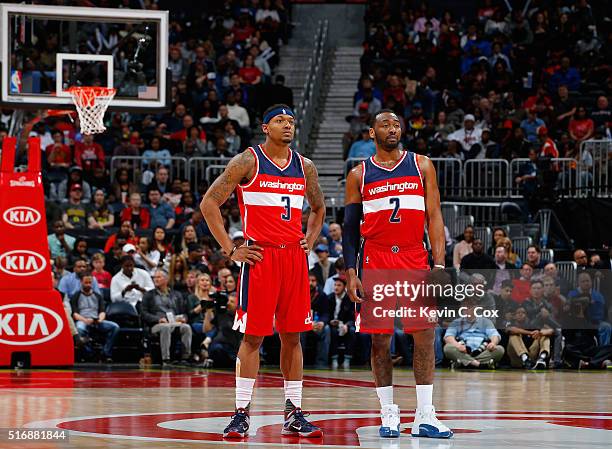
[21, 216]
[22, 263]
[28, 324]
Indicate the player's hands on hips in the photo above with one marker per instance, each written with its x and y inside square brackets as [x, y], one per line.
[248, 254]
[355, 289]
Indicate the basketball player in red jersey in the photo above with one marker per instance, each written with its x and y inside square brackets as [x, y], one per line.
[389, 199]
[273, 290]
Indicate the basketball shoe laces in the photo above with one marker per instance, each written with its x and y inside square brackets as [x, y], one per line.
[240, 420]
[300, 416]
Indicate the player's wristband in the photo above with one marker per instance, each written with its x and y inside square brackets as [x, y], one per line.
[437, 265]
[350, 241]
[231, 253]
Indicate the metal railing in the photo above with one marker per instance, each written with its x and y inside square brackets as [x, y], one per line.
[306, 109]
[137, 165]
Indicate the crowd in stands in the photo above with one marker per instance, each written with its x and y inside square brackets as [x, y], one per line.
[496, 85]
[499, 86]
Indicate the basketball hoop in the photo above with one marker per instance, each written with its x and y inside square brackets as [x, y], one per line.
[91, 104]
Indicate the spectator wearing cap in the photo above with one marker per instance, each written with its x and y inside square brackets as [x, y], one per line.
[340, 267]
[341, 323]
[469, 135]
[195, 254]
[75, 176]
[363, 148]
[324, 268]
[531, 124]
[163, 311]
[130, 283]
[162, 214]
[486, 149]
[74, 212]
[548, 148]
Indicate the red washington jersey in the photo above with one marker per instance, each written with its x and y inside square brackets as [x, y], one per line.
[393, 203]
[271, 202]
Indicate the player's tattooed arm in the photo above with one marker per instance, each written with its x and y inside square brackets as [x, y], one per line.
[317, 205]
[239, 168]
[433, 212]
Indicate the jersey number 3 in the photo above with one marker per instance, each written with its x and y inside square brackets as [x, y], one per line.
[395, 202]
[287, 214]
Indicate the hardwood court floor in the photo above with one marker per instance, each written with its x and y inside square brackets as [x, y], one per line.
[189, 408]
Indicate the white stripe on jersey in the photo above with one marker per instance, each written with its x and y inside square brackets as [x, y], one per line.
[272, 199]
[412, 202]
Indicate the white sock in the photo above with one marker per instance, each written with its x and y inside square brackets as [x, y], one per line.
[293, 392]
[424, 395]
[244, 391]
[385, 395]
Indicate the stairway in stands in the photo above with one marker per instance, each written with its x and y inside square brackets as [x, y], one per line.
[337, 103]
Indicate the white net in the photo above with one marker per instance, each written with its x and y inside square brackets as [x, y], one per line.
[91, 104]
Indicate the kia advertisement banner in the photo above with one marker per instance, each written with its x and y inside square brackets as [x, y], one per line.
[33, 322]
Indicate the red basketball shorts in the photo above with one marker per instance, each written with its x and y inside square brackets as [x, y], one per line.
[274, 293]
[396, 293]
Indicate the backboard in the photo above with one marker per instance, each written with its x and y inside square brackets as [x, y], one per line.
[44, 50]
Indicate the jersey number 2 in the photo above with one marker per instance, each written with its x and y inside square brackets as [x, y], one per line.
[287, 214]
[395, 202]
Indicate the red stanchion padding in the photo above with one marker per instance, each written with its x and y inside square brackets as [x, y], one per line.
[32, 316]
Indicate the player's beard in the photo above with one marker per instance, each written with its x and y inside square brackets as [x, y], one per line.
[384, 144]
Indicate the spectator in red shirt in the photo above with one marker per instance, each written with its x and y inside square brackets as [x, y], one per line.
[138, 216]
[395, 90]
[522, 286]
[548, 149]
[103, 277]
[125, 232]
[581, 127]
[243, 29]
[182, 133]
[58, 154]
[88, 154]
[249, 74]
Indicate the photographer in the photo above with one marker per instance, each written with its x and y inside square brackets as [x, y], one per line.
[223, 349]
[472, 341]
[201, 303]
[580, 331]
[88, 313]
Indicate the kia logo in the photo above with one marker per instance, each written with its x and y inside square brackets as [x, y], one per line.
[21, 216]
[22, 263]
[28, 324]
